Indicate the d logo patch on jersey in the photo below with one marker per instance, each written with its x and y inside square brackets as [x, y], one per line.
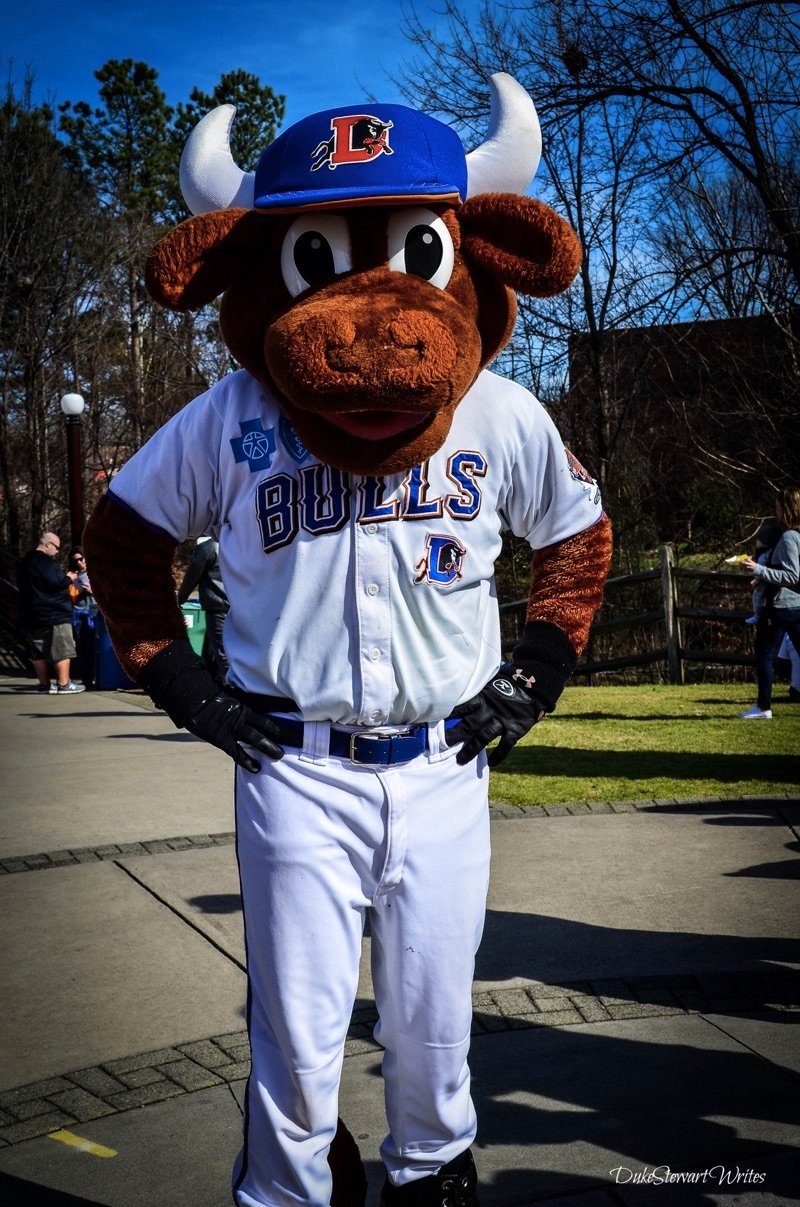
[443, 561]
[357, 138]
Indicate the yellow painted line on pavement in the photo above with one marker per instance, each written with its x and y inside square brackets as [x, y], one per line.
[86, 1146]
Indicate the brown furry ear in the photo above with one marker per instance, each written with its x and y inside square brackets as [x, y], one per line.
[194, 263]
[521, 242]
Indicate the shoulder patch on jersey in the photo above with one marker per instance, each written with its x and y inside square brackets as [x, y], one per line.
[576, 469]
[292, 442]
[256, 445]
[582, 475]
[442, 562]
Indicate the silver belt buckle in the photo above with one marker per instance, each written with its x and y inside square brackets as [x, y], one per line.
[374, 735]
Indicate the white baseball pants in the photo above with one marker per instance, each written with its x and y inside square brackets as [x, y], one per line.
[320, 843]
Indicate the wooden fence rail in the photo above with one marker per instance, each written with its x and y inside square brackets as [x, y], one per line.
[669, 616]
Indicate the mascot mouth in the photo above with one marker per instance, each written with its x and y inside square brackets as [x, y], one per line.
[378, 425]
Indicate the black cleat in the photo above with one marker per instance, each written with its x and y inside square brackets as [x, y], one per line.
[455, 1185]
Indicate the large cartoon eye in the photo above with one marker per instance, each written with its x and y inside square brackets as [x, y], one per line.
[420, 244]
[315, 249]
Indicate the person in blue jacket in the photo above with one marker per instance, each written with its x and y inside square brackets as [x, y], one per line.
[781, 615]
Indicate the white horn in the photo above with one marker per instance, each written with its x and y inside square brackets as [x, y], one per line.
[210, 180]
[507, 161]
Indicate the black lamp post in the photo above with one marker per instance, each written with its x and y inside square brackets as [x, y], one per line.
[72, 405]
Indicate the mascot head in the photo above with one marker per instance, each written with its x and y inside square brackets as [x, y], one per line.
[368, 267]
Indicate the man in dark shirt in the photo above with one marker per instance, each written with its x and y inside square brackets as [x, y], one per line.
[46, 614]
[204, 573]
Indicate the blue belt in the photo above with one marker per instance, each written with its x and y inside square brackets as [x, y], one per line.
[371, 749]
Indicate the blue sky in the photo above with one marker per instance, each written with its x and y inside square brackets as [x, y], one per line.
[318, 53]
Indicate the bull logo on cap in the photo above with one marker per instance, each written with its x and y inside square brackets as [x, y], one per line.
[357, 138]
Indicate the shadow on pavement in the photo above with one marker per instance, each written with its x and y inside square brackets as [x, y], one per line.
[662, 1105]
[217, 903]
[139, 714]
[782, 869]
[177, 736]
[544, 949]
[19, 1193]
[654, 765]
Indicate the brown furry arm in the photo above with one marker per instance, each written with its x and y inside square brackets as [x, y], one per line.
[567, 582]
[149, 636]
[566, 590]
[131, 574]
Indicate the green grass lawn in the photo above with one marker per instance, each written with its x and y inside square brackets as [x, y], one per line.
[646, 742]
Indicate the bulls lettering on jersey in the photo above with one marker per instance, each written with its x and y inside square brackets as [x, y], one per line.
[319, 500]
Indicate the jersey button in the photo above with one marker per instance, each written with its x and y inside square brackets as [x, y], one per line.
[372, 589]
[372, 529]
[374, 654]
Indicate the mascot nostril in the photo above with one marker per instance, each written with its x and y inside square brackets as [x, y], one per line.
[318, 356]
[432, 347]
[358, 471]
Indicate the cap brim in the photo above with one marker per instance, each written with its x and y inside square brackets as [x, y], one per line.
[286, 203]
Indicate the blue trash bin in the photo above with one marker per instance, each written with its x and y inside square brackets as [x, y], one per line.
[108, 674]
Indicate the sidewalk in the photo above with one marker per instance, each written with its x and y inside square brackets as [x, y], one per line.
[637, 993]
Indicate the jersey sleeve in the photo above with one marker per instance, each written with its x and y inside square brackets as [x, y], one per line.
[551, 496]
[785, 568]
[172, 482]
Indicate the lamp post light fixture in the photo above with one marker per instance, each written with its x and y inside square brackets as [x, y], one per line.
[72, 405]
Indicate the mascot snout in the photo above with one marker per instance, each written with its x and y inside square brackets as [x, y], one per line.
[356, 367]
[402, 359]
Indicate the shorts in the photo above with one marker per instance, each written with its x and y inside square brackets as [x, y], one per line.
[54, 644]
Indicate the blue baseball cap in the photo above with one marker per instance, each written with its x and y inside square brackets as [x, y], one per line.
[369, 154]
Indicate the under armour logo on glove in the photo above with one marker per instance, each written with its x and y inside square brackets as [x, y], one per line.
[505, 709]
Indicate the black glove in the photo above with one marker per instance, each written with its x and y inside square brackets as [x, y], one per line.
[518, 696]
[176, 679]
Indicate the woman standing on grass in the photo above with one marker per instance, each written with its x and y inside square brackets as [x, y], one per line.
[781, 577]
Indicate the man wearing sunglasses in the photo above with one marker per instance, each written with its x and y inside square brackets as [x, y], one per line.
[45, 610]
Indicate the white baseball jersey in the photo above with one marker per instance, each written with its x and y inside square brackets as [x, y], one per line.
[367, 600]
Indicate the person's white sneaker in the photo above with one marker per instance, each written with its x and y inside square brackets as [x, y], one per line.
[756, 714]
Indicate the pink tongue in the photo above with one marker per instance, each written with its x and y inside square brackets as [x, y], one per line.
[376, 426]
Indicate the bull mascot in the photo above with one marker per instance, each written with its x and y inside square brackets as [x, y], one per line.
[358, 471]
